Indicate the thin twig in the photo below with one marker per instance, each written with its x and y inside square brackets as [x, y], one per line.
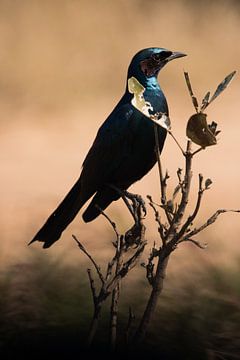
[195, 242]
[197, 151]
[210, 221]
[162, 179]
[174, 138]
[123, 196]
[157, 149]
[131, 317]
[82, 248]
[92, 285]
[108, 219]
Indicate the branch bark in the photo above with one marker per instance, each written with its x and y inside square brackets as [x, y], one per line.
[157, 287]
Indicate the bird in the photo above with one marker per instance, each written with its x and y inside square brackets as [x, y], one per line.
[122, 152]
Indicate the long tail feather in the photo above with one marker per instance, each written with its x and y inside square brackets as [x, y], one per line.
[64, 214]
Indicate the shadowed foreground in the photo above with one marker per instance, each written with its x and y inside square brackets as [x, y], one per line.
[198, 317]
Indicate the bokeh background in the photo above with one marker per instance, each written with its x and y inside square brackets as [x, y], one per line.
[63, 68]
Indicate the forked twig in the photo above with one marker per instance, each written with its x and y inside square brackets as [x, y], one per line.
[210, 221]
[116, 270]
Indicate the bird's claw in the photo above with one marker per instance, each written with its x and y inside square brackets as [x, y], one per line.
[137, 200]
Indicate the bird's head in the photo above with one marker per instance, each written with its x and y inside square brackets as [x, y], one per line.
[147, 63]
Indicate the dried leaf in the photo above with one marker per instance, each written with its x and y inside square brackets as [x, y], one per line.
[199, 132]
[205, 101]
[208, 182]
[193, 97]
[222, 86]
[213, 128]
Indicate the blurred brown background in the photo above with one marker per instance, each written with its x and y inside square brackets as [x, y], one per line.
[63, 68]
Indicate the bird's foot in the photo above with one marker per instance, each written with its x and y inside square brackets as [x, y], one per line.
[137, 201]
[138, 204]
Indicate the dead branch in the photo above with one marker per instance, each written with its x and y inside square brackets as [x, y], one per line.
[117, 268]
[82, 248]
[173, 234]
[109, 220]
[131, 318]
[210, 221]
[161, 228]
[196, 210]
[163, 180]
[116, 294]
[195, 242]
[92, 285]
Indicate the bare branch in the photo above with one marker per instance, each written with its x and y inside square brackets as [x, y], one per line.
[92, 285]
[174, 138]
[197, 151]
[123, 196]
[179, 174]
[210, 221]
[176, 221]
[126, 267]
[157, 287]
[82, 248]
[116, 294]
[195, 242]
[196, 210]
[157, 149]
[150, 265]
[109, 220]
[131, 318]
[110, 267]
[161, 229]
[163, 180]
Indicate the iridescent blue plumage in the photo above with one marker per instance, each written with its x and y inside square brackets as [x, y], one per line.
[122, 152]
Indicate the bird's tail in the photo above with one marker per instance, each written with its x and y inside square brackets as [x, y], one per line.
[62, 216]
[100, 201]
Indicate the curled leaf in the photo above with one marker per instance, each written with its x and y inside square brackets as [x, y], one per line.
[199, 131]
[208, 182]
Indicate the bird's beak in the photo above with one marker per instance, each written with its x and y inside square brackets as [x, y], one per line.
[175, 55]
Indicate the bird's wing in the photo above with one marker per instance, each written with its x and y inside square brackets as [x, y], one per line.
[111, 146]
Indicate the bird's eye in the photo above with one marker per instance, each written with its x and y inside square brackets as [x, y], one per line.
[161, 55]
[156, 57]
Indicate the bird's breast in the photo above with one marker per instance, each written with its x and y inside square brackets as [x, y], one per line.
[157, 100]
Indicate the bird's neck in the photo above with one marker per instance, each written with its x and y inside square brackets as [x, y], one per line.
[150, 83]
